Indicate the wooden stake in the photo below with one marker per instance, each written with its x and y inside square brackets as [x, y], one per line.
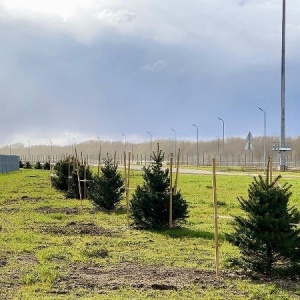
[177, 170]
[271, 168]
[84, 183]
[50, 172]
[78, 176]
[69, 171]
[99, 158]
[171, 194]
[126, 184]
[127, 189]
[215, 217]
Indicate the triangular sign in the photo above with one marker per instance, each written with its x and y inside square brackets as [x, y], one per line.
[249, 146]
[249, 137]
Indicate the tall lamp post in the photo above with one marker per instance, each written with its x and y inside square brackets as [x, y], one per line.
[131, 141]
[282, 149]
[99, 147]
[99, 155]
[28, 150]
[50, 152]
[265, 135]
[70, 145]
[74, 145]
[218, 145]
[197, 146]
[175, 159]
[124, 142]
[150, 144]
[223, 135]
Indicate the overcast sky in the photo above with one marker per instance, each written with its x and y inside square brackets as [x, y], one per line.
[82, 69]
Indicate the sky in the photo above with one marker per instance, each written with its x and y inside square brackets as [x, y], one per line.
[76, 70]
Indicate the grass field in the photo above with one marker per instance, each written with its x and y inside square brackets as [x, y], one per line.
[54, 248]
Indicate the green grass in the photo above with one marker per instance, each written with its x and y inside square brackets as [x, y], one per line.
[53, 248]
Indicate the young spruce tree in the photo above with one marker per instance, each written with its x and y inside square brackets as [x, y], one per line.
[267, 236]
[150, 202]
[107, 190]
[66, 178]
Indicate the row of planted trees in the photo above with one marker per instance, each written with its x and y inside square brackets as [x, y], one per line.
[149, 206]
[267, 235]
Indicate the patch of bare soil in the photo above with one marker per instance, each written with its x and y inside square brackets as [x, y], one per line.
[64, 210]
[97, 278]
[11, 269]
[77, 228]
[23, 198]
[9, 210]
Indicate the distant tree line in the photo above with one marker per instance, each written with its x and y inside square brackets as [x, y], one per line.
[234, 150]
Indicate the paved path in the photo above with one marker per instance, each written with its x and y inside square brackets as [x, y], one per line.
[193, 171]
[207, 172]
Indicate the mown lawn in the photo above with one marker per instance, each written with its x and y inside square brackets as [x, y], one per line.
[54, 248]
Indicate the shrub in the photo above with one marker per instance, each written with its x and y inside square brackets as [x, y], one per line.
[46, 166]
[150, 202]
[66, 179]
[21, 165]
[107, 189]
[27, 165]
[38, 165]
[267, 237]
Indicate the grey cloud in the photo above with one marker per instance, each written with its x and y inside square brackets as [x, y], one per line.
[120, 16]
[213, 62]
[155, 67]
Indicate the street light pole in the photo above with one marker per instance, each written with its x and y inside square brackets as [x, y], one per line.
[73, 145]
[175, 159]
[131, 141]
[124, 142]
[50, 152]
[265, 134]
[282, 149]
[99, 147]
[218, 145]
[150, 144]
[223, 138]
[197, 147]
[28, 151]
[99, 156]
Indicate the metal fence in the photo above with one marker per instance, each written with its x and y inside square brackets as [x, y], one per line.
[9, 163]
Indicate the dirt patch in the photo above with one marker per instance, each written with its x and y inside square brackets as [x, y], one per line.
[23, 198]
[99, 278]
[77, 228]
[9, 210]
[64, 210]
[34, 199]
[11, 269]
